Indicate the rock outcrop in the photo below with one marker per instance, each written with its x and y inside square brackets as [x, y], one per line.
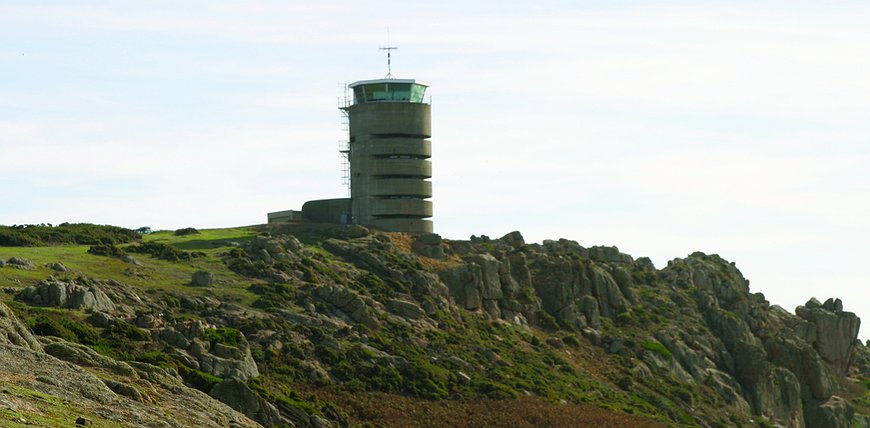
[424, 317]
[85, 294]
[830, 331]
[64, 376]
[20, 263]
[222, 360]
[240, 397]
[13, 332]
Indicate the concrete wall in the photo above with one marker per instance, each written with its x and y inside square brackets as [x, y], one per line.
[327, 211]
[389, 166]
[403, 225]
[401, 186]
[392, 118]
[284, 216]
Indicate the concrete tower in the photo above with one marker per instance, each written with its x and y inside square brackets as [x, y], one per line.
[389, 151]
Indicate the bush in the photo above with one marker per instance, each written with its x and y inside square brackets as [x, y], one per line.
[164, 252]
[12, 238]
[546, 321]
[67, 329]
[494, 390]
[122, 331]
[286, 397]
[656, 347]
[108, 250]
[186, 231]
[198, 379]
[571, 341]
[224, 335]
[156, 358]
[32, 235]
[273, 295]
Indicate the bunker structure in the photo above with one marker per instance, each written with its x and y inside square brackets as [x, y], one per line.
[387, 151]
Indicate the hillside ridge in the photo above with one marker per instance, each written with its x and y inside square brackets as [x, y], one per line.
[328, 325]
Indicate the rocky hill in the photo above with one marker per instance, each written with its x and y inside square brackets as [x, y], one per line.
[319, 326]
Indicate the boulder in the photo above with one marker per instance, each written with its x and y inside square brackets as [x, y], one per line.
[125, 389]
[84, 356]
[610, 298]
[406, 309]
[559, 283]
[21, 263]
[57, 267]
[429, 245]
[174, 337]
[241, 398]
[490, 278]
[14, 332]
[747, 357]
[625, 282]
[225, 361]
[609, 255]
[464, 283]
[149, 321]
[348, 302]
[695, 362]
[202, 279]
[429, 239]
[803, 364]
[73, 294]
[835, 412]
[100, 319]
[780, 398]
[513, 239]
[834, 331]
[588, 306]
[427, 283]
[728, 389]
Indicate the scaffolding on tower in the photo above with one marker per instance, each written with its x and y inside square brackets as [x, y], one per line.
[344, 143]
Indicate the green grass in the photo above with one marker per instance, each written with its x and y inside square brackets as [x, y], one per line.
[151, 274]
[43, 410]
[207, 240]
[656, 347]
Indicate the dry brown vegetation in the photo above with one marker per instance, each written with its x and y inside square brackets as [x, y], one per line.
[372, 409]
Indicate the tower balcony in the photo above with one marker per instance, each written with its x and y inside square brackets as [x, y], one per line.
[410, 207]
[401, 168]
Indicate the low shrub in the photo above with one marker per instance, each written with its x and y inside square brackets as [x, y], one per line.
[546, 321]
[156, 358]
[164, 252]
[31, 235]
[186, 231]
[571, 341]
[198, 379]
[656, 347]
[224, 335]
[64, 328]
[123, 331]
[108, 250]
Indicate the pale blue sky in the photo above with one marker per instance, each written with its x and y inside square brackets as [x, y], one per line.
[660, 127]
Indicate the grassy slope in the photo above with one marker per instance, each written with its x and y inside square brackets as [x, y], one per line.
[150, 274]
[27, 408]
[37, 409]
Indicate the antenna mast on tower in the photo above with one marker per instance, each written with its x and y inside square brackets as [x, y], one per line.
[389, 66]
[389, 48]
